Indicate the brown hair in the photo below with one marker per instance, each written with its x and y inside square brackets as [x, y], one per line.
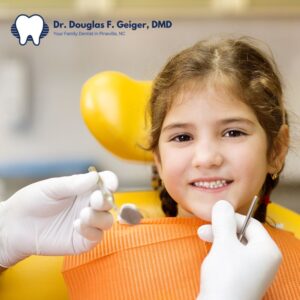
[252, 76]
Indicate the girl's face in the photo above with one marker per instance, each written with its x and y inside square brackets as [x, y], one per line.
[212, 147]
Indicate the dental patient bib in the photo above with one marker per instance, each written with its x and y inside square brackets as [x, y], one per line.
[161, 259]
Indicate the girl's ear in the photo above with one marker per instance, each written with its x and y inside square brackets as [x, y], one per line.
[280, 149]
[157, 163]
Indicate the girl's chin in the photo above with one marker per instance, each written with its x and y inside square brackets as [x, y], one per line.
[204, 215]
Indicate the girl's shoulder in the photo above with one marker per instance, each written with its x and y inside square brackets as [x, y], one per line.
[286, 284]
[285, 240]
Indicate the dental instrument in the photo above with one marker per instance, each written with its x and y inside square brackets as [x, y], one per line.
[250, 212]
[128, 212]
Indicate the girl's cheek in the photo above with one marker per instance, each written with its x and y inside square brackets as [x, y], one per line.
[174, 158]
[172, 166]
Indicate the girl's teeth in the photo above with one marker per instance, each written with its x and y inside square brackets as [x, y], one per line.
[211, 184]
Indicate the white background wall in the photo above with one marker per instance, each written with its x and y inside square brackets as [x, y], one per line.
[60, 65]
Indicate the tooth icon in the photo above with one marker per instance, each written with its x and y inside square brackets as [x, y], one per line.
[29, 27]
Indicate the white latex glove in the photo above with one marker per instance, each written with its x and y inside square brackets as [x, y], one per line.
[232, 270]
[57, 216]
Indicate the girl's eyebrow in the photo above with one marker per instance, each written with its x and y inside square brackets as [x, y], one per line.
[219, 122]
[236, 120]
[177, 126]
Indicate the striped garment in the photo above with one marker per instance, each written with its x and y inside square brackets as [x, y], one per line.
[160, 259]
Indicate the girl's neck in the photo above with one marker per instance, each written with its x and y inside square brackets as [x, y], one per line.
[184, 213]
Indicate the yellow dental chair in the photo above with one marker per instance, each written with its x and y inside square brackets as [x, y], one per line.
[112, 106]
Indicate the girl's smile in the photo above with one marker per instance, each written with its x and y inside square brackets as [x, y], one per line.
[211, 147]
[211, 185]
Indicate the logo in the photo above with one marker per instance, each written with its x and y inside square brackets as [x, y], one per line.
[31, 29]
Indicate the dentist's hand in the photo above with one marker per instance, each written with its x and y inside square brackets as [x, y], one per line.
[232, 270]
[57, 216]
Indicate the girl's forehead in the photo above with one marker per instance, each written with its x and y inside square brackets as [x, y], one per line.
[209, 102]
[221, 86]
[211, 93]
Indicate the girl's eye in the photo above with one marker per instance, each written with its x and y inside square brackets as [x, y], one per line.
[181, 138]
[234, 133]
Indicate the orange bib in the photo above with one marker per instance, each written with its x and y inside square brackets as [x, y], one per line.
[161, 259]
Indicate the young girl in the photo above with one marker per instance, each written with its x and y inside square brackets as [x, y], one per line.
[219, 131]
[219, 127]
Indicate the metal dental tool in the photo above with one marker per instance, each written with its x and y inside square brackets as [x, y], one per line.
[129, 213]
[250, 212]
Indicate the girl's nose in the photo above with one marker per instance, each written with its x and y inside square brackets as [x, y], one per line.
[207, 155]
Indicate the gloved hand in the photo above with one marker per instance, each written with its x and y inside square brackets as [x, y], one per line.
[232, 270]
[57, 216]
